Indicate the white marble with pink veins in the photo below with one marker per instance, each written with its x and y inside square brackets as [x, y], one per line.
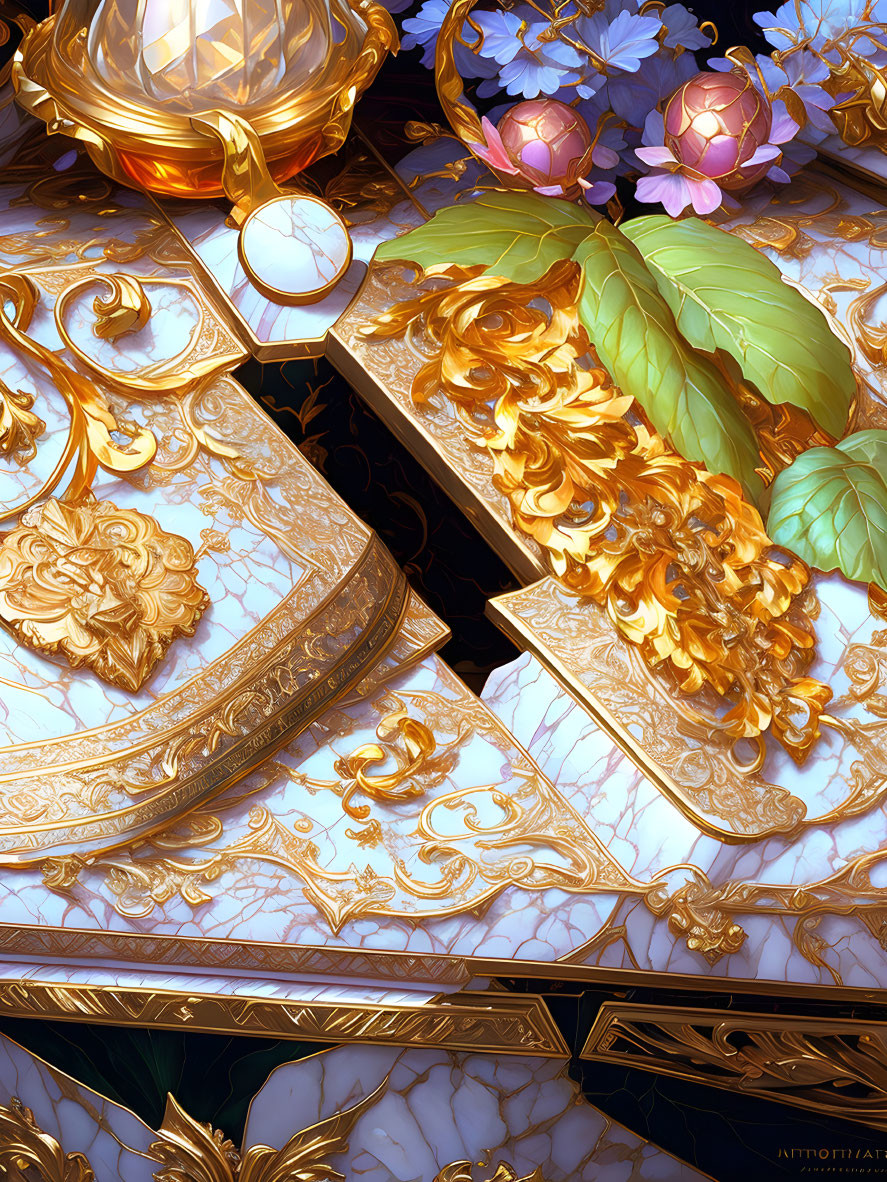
[434, 1108]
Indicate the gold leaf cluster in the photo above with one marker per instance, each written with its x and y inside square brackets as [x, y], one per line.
[677, 557]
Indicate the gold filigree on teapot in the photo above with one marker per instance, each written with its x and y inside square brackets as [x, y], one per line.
[229, 97]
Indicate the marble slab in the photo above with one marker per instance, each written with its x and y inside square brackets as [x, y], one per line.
[381, 1114]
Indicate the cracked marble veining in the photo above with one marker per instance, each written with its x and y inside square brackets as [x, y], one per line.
[433, 1108]
[439, 1107]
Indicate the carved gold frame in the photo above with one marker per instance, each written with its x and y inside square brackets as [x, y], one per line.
[802, 1061]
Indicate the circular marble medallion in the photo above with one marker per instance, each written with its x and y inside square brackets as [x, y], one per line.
[294, 249]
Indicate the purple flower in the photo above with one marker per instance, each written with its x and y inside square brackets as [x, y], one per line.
[683, 31]
[537, 66]
[820, 23]
[633, 96]
[621, 43]
[598, 193]
[422, 32]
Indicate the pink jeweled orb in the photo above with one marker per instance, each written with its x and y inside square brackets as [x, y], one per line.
[548, 142]
[714, 123]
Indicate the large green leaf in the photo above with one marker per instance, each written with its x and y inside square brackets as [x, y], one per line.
[830, 507]
[638, 341]
[726, 295]
[513, 234]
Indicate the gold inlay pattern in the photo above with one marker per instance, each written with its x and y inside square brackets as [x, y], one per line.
[479, 839]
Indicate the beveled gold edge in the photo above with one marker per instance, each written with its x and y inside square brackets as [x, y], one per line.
[525, 638]
[519, 557]
[136, 948]
[611, 1012]
[442, 1021]
[250, 752]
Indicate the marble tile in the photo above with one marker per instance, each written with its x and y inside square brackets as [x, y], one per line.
[114, 1141]
[440, 1107]
[428, 1110]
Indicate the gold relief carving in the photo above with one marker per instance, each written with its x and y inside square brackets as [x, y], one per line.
[26, 1152]
[264, 708]
[104, 587]
[504, 1022]
[193, 1152]
[473, 861]
[689, 761]
[835, 1067]
[466, 1171]
[706, 929]
[93, 431]
[211, 348]
[678, 558]
[125, 309]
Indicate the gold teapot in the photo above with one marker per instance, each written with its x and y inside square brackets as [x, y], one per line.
[204, 98]
[164, 93]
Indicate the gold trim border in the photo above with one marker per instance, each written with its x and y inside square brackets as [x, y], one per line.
[470, 1021]
[527, 640]
[783, 1038]
[256, 746]
[83, 947]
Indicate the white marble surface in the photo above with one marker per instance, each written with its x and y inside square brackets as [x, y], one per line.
[440, 1107]
[114, 1141]
[296, 246]
[652, 839]
[328, 871]
[434, 1108]
[250, 901]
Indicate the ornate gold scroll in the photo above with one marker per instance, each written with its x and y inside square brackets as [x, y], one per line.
[835, 1067]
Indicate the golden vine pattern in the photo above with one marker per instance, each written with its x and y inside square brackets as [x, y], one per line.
[473, 862]
[676, 556]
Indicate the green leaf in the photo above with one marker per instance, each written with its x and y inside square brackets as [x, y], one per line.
[727, 295]
[516, 235]
[868, 446]
[830, 507]
[638, 341]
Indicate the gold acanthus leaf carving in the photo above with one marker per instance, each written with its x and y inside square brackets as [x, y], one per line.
[27, 1154]
[193, 1152]
[105, 587]
[464, 1171]
[678, 558]
[19, 426]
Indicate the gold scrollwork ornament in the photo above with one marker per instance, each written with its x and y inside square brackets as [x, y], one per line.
[102, 586]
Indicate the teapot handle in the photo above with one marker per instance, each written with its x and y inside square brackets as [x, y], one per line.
[245, 176]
